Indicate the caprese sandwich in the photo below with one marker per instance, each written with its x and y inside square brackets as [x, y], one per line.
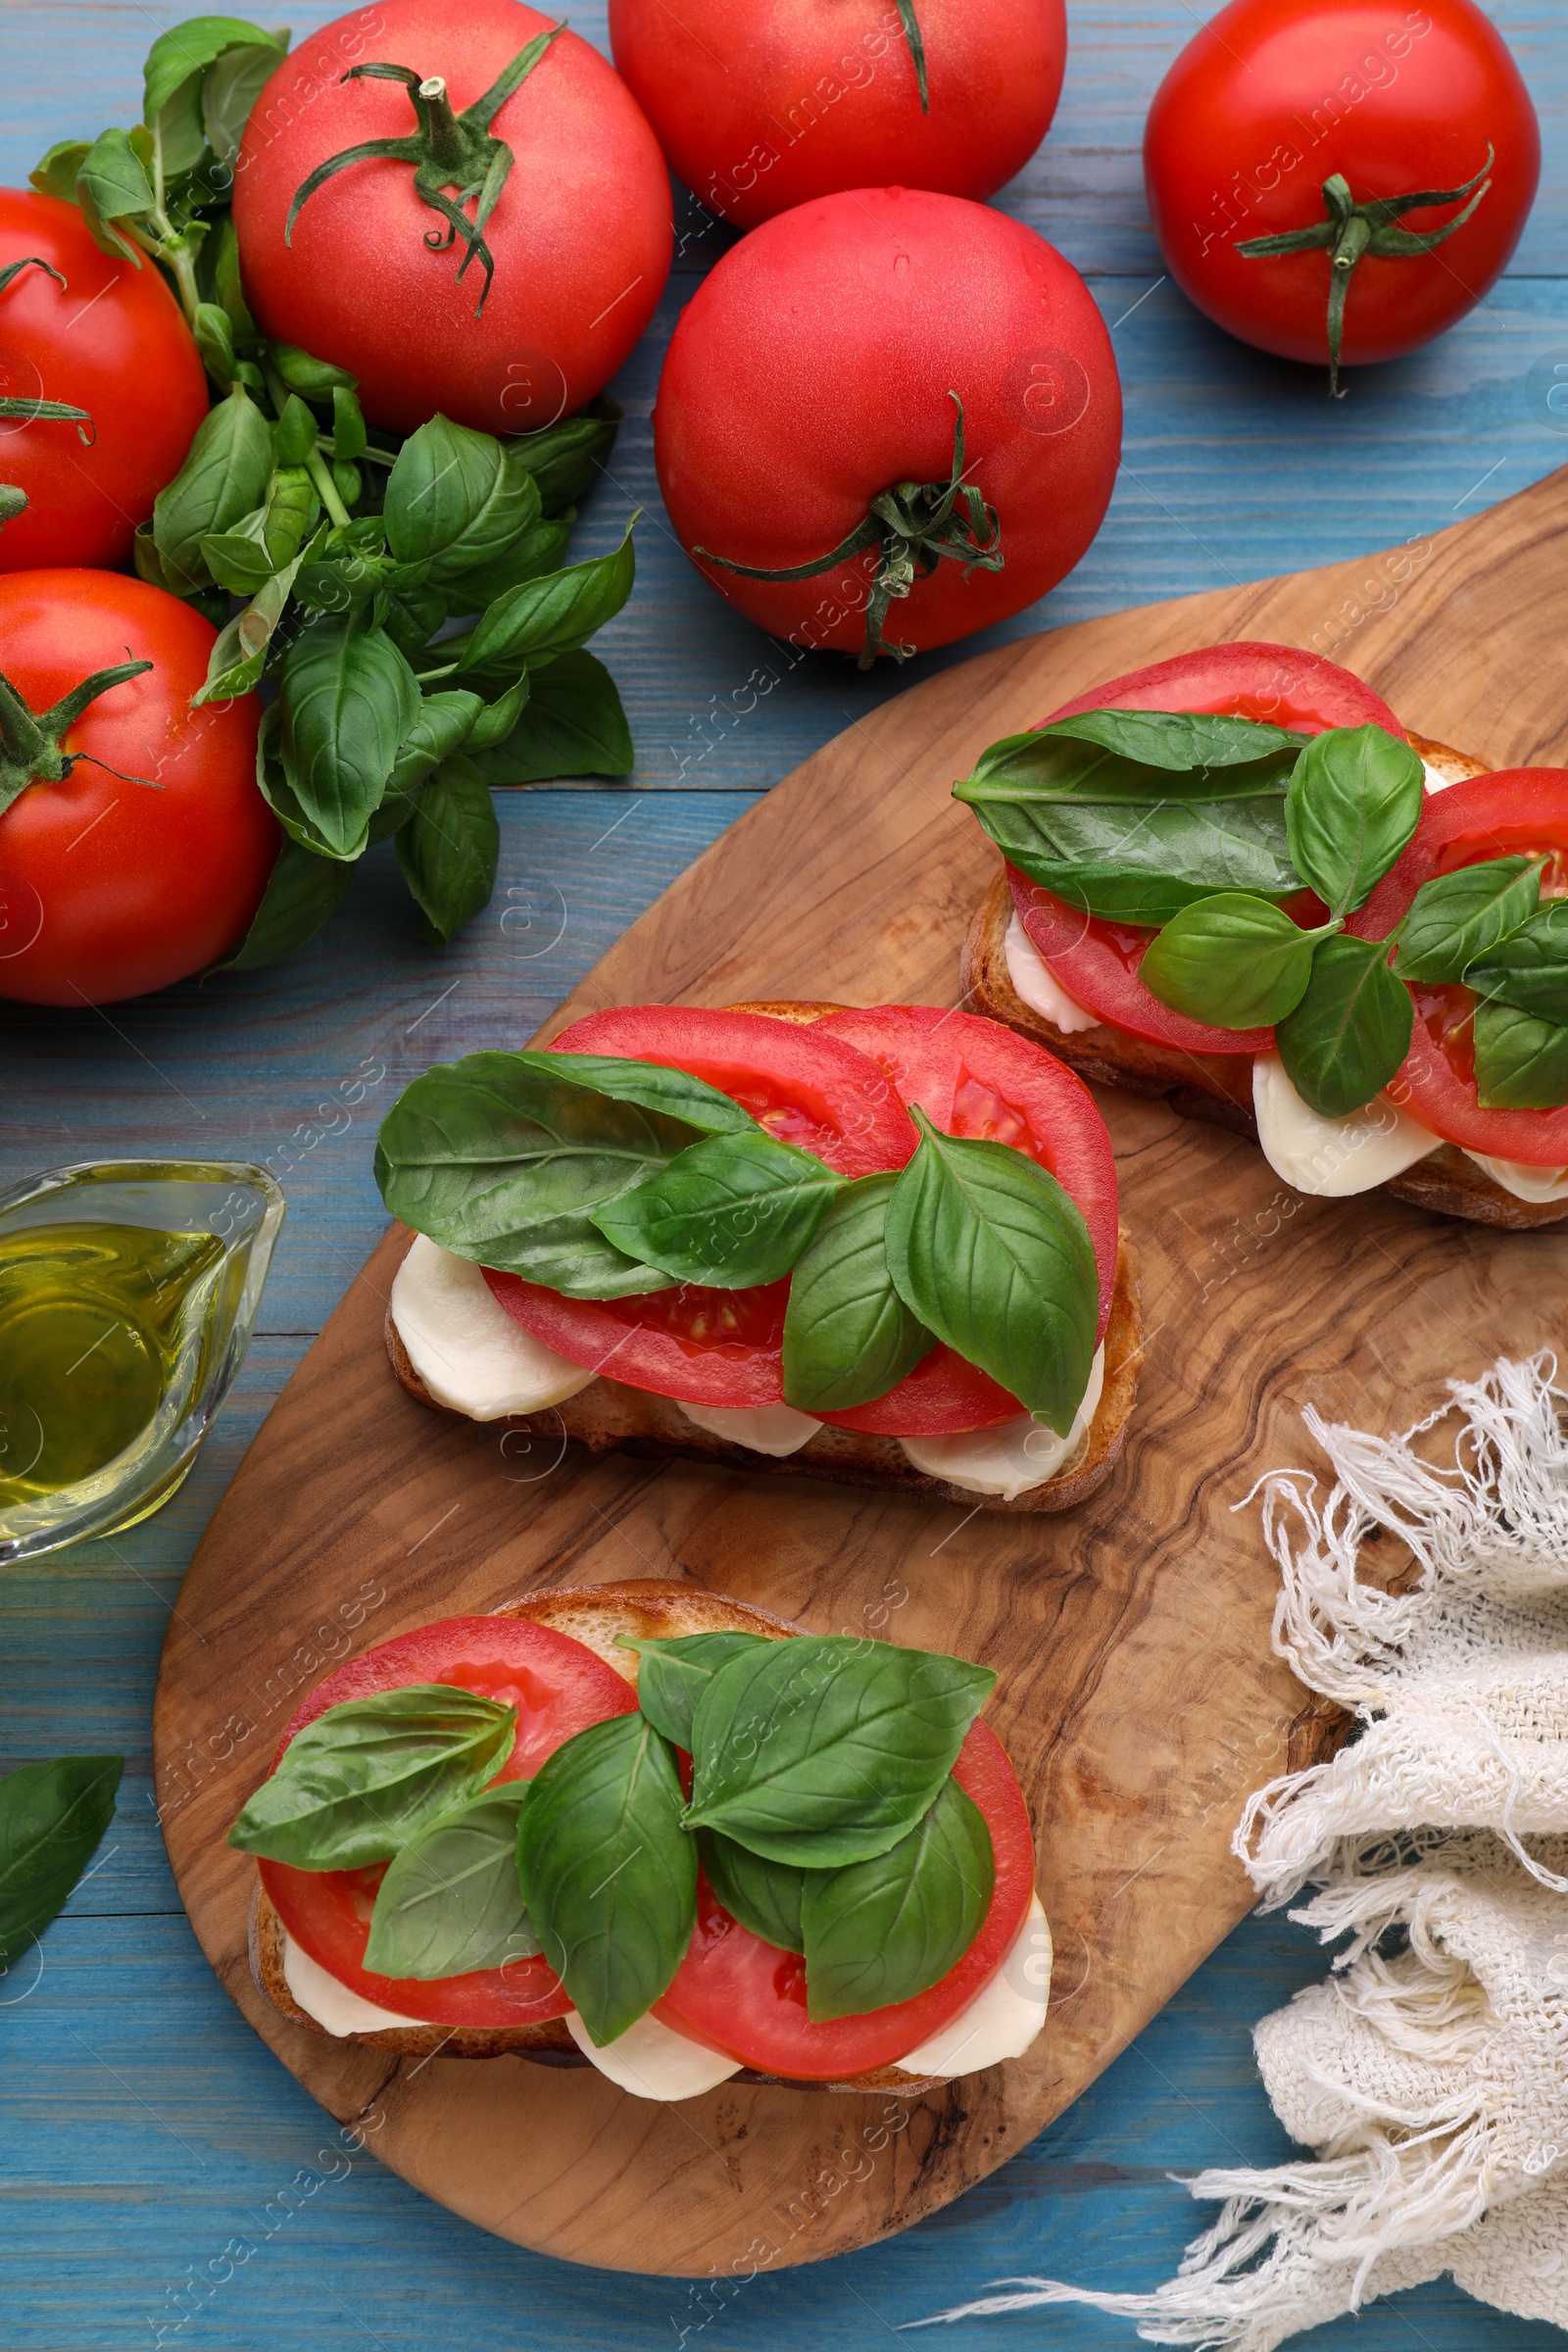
[877, 1247]
[1236, 880]
[641, 1828]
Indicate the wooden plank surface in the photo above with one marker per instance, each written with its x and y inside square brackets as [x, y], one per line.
[146, 2128]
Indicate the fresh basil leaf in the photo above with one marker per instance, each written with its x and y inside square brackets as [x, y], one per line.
[1455, 919]
[185, 52]
[245, 558]
[1232, 959]
[731, 1212]
[449, 848]
[540, 548]
[1521, 1060]
[316, 381]
[497, 719]
[989, 1252]
[764, 1896]
[501, 1158]
[454, 501]
[574, 725]
[112, 184]
[450, 1902]
[825, 1749]
[882, 1930]
[848, 1335]
[55, 172]
[238, 560]
[1137, 755]
[237, 659]
[355, 1785]
[674, 1674]
[1350, 1031]
[651, 1083]
[302, 894]
[441, 725]
[1353, 802]
[224, 478]
[1143, 863]
[234, 82]
[348, 698]
[607, 1873]
[553, 615]
[567, 459]
[1528, 969]
[52, 1818]
[274, 774]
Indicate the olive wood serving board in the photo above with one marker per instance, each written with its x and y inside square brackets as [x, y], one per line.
[1139, 1697]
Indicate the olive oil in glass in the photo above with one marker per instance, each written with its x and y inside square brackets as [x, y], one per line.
[127, 1295]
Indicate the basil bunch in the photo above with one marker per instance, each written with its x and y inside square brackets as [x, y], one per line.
[1200, 825]
[1485, 926]
[600, 1179]
[349, 559]
[822, 1807]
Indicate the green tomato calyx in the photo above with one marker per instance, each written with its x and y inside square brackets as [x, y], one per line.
[31, 741]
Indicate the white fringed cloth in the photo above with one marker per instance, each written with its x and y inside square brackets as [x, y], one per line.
[1430, 2072]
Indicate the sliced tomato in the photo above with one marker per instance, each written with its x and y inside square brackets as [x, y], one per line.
[975, 1077]
[559, 1688]
[712, 1346]
[1096, 961]
[1520, 811]
[735, 1993]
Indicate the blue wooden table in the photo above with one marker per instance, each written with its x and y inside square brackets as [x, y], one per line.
[163, 2179]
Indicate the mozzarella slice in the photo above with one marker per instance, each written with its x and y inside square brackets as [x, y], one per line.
[1434, 780]
[1002, 2018]
[1333, 1158]
[653, 2061]
[331, 2004]
[464, 1345]
[1524, 1183]
[1011, 1457]
[1038, 984]
[776, 1429]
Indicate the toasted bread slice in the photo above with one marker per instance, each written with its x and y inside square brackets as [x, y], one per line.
[649, 1608]
[1218, 1087]
[611, 1417]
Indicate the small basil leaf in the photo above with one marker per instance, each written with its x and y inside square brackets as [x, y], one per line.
[454, 501]
[302, 893]
[764, 1896]
[112, 184]
[52, 1817]
[824, 1749]
[184, 53]
[731, 1212]
[1456, 918]
[607, 1873]
[553, 615]
[314, 379]
[848, 1335]
[672, 1675]
[55, 172]
[449, 848]
[234, 82]
[450, 1902]
[349, 439]
[674, 1092]
[1352, 1030]
[1353, 802]
[238, 560]
[497, 719]
[349, 698]
[991, 1253]
[567, 459]
[237, 659]
[1235, 961]
[441, 725]
[224, 478]
[1521, 1060]
[354, 1785]
[499, 1158]
[1528, 969]
[574, 725]
[883, 1930]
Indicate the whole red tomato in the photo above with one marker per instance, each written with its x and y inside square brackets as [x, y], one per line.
[146, 861]
[88, 331]
[578, 242]
[811, 397]
[759, 103]
[1275, 98]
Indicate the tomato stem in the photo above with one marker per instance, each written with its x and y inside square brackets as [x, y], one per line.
[913, 526]
[30, 740]
[447, 151]
[1353, 231]
[911, 33]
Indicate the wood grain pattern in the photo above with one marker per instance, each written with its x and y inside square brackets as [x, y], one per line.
[1139, 1700]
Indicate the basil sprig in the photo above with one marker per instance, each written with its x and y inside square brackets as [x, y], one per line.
[52, 1818]
[353, 1787]
[606, 1871]
[451, 1901]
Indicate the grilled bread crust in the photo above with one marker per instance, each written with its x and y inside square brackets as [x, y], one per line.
[646, 1609]
[1218, 1087]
